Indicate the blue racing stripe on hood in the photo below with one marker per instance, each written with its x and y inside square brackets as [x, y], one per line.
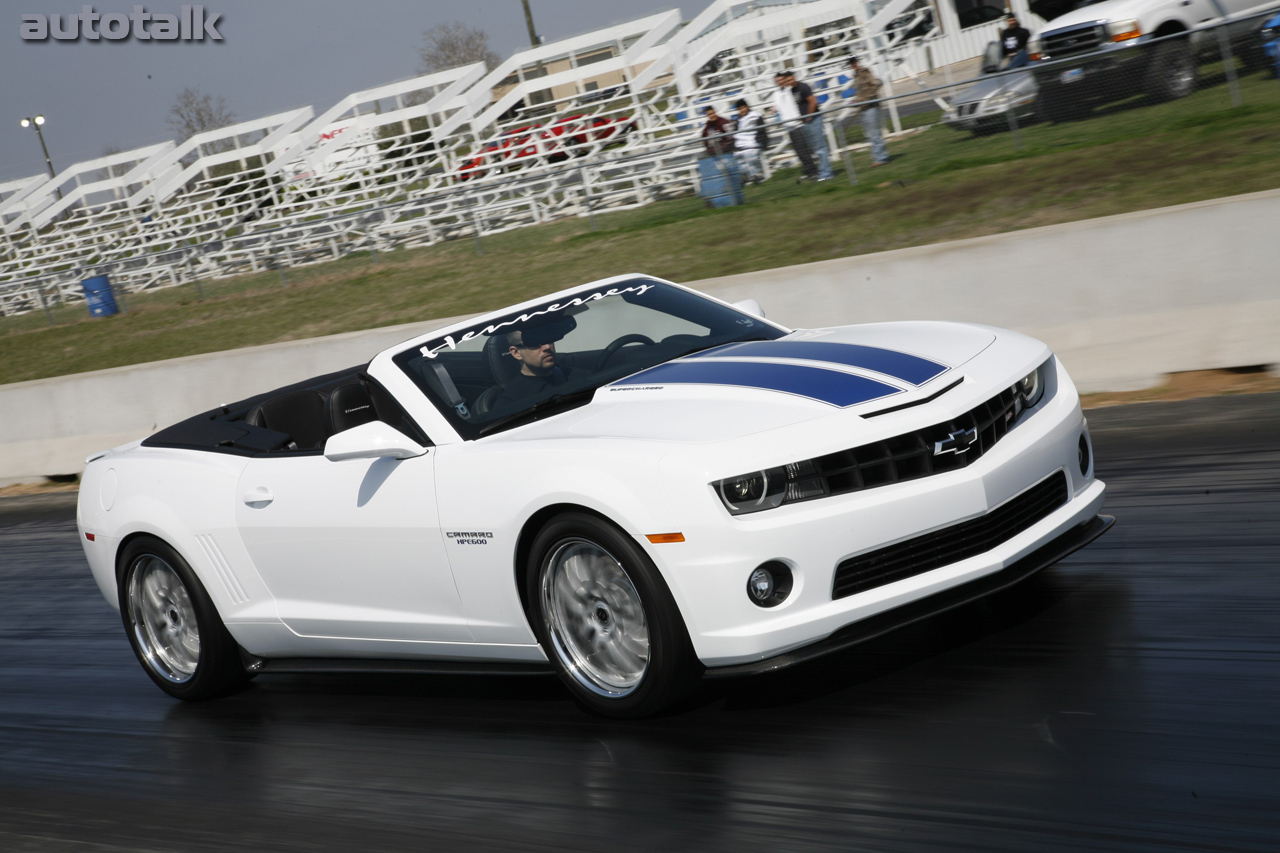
[829, 386]
[900, 365]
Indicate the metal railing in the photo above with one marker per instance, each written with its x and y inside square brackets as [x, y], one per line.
[615, 151]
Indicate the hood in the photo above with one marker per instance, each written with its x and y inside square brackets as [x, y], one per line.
[989, 86]
[740, 389]
[1091, 14]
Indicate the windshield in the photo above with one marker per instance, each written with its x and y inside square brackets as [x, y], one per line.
[544, 359]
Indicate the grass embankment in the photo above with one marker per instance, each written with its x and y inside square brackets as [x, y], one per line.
[941, 185]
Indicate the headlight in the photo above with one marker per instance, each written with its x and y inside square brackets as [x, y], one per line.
[795, 481]
[1268, 33]
[753, 492]
[999, 102]
[1124, 30]
[832, 474]
[1031, 386]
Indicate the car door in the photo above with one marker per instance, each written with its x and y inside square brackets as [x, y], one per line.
[351, 549]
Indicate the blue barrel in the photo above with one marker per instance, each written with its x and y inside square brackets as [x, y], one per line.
[99, 296]
[720, 180]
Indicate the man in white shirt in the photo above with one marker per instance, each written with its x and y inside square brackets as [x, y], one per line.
[746, 143]
[784, 104]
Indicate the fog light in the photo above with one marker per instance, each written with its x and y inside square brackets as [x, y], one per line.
[760, 584]
[1084, 454]
[769, 584]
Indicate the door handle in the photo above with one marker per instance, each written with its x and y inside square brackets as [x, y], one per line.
[259, 497]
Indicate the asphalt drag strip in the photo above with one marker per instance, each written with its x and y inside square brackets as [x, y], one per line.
[1125, 699]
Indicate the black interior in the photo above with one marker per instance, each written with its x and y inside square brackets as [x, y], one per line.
[298, 413]
[501, 367]
[480, 376]
[349, 406]
[295, 419]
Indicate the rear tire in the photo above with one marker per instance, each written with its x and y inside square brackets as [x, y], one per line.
[606, 619]
[173, 626]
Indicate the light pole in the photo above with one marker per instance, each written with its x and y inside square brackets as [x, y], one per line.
[528, 21]
[36, 122]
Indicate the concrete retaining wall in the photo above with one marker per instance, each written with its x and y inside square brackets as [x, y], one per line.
[49, 426]
[1122, 300]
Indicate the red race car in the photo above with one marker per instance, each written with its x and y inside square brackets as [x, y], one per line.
[556, 142]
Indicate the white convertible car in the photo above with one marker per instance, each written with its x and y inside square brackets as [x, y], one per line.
[629, 483]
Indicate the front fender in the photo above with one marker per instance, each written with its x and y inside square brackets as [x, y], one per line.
[494, 490]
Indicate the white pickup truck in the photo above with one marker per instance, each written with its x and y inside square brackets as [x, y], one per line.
[1120, 29]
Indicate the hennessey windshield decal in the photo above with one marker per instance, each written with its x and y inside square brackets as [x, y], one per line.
[900, 365]
[828, 386]
[429, 351]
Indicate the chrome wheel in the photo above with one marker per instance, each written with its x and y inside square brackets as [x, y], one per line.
[595, 618]
[163, 620]
[1182, 78]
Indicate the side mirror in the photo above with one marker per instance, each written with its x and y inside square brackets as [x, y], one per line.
[750, 306]
[373, 440]
[991, 57]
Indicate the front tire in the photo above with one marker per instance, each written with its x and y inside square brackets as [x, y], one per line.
[173, 626]
[606, 618]
[1173, 72]
[1057, 104]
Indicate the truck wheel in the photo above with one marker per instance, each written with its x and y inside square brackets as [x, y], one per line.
[1252, 58]
[1173, 72]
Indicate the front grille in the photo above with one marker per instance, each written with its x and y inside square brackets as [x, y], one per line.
[951, 544]
[1074, 41]
[967, 109]
[905, 457]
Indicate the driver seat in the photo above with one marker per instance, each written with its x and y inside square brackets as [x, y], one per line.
[501, 368]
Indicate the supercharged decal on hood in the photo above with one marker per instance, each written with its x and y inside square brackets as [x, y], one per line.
[899, 365]
[828, 386]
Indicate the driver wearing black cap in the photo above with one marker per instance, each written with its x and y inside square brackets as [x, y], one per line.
[534, 346]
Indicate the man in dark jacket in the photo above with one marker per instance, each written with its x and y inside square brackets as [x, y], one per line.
[1013, 43]
[811, 124]
[541, 367]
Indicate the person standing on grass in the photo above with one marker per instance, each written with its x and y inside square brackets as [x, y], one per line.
[1013, 43]
[713, 132]
[866, 89]
[811, 122]
[788, 112]
[747, 141]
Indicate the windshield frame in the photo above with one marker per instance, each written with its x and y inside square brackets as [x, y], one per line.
[450, 339]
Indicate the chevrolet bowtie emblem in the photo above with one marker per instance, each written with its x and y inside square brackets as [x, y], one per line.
[958, 442]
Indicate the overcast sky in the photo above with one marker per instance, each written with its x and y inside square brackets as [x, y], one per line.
[275, 55]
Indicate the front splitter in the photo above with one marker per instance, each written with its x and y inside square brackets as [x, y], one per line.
[899, 617]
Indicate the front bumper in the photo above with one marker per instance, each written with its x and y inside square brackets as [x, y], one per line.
[970, 121]
[708, 573]
[1119, 70]
[982, 115]
[876, 626]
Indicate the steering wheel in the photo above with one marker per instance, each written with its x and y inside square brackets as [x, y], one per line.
[612, 349]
